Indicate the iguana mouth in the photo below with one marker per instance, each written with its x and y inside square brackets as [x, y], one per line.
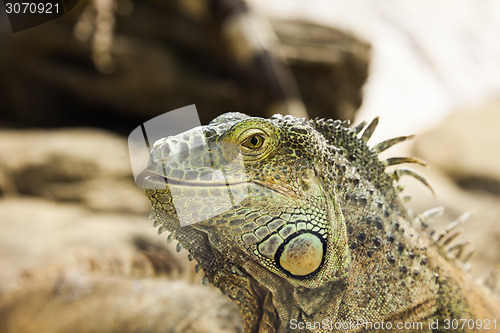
[159, 179]
[156, 179]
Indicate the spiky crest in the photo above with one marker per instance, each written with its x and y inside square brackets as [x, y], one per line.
[401, 160]
[368, 132]
[353, 141]
[384, 145]
[402, 171]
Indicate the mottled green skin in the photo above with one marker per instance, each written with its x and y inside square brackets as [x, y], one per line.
[343, 248]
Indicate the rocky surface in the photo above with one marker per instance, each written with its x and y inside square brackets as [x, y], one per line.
[466, 147]
[95, 303]
[77, 249]
[86, 166]
[465, 172]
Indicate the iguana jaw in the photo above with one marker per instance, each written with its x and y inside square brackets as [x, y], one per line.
[247, 283]
[229, 276]
[244, 275]
[296, 248]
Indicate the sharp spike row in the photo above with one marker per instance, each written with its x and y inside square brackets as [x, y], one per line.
[161, 230]
[368, 132]
[425, 218]
[459, 249]
[197, 268]
[398, 173]
[450, 236]
[179, 247]
[190, 257]
[152, 215]
[170, 238]
[492, 280]
[356, 129]
[384, 145]
[430, 213]
[469, 254]
[156, 223]
[204, 281]
[401, 160]
[461, 219]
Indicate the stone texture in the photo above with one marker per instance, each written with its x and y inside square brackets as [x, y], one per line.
[163, 60]
[464, 161]
[466, 147]
[74, 165]
[95, 303]
[78, 251]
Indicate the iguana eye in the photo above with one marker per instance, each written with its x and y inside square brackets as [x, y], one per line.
[254, 142]
[256, 139]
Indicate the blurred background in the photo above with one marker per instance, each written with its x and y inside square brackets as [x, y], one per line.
[76, 247]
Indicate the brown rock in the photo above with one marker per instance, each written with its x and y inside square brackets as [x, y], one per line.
[464, 158]
[163, 60]
[76, 165]
[95, 303]
[37, 233]
[467, 147]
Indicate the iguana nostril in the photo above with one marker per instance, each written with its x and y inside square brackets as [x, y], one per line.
[166, 151]
[210, 132]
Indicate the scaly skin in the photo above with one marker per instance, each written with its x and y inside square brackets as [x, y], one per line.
[321, 234]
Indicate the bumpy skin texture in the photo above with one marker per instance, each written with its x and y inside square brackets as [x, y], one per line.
[321, 235]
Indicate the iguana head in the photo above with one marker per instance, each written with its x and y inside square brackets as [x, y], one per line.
[258, 202]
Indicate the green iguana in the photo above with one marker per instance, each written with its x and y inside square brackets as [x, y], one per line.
[322, 240]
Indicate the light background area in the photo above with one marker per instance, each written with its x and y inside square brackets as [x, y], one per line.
[429, 57]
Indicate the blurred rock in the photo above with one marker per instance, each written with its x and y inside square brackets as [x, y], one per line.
[467, 148]
[329, 65]
[164, 59]
[464, 159]
[96, 303]
[37, 233]
[88, 166]
[66, 267]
